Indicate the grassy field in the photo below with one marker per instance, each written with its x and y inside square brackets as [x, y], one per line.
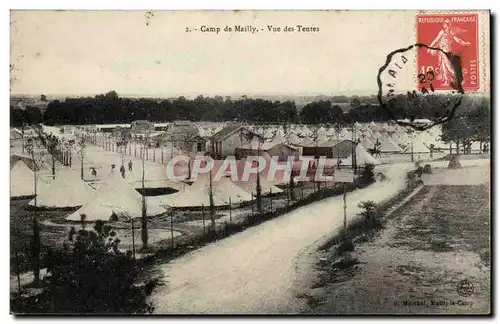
[414, 265]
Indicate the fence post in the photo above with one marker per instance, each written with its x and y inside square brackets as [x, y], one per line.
[302, 190]
[203, 215]
[154, 154]
[230, 209]
[135, 150]
[133, 238]
[252, 205]
[271, 199]
[172, 227]
[287, 197]
[147, 153]
[162, 155]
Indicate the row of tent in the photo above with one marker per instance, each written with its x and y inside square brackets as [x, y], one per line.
[115, 196]
[386, 141]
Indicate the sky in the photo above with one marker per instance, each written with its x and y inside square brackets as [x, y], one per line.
[135, 53]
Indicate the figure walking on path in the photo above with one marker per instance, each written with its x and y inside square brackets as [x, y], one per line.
[122, 171]
[93, 173]
[130, 165]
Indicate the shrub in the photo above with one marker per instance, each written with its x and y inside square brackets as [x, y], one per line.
[90, 275]
[345, 246]
[368, 210]
[427, 169]
[367, 175]
[454, 162]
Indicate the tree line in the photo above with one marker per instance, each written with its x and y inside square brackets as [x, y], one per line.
[111, 108]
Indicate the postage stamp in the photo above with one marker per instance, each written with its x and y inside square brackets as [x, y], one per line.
[455, 34]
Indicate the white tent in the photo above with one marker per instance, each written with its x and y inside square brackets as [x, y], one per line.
[307, 142]
[224, 189]
[189, 198]
[269, 133]
[331, 132]
[293, 139]
[251, 185]
[386, 145]
[15, 134]
[417, 146]
[279, 137]
[321, 139]
[197, 195]
[320, 131]
[367, 142]
[345, 134]
[67, 190]
[304, 131]
[362, 157]
[114, 196]
[21, 180]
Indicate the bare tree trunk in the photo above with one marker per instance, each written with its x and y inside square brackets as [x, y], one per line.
[212, 205]
[144, 220]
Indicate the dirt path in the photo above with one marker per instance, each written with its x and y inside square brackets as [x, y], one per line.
[257, 271]
[440, 238]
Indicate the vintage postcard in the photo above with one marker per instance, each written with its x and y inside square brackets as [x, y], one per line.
[250, 162]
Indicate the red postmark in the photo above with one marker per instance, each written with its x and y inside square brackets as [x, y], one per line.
[454, 33]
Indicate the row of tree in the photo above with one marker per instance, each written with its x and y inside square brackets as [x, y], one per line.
[110, 108]
[470, 124]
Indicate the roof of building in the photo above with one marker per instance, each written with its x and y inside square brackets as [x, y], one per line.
[228, 131]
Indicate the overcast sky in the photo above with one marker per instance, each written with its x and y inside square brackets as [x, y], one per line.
[92, 52]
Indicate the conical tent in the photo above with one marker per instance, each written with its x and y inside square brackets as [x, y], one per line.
[293, 139]
[331, 132]
[386, 145]
[367, 142]
[251, 184]
[305, 131]
[66, 191]
[224, 188]
[114, 197]
[417, 146]
[345, 134]
[321, 131]
[21, 180]
[269, 133]
[307, 142]
[321, 139]
[279, 137]
[191, 197]
[15, 134]
[362, 158]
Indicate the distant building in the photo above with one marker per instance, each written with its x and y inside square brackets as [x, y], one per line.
[226, 141]
[282, 150]
[182, 136]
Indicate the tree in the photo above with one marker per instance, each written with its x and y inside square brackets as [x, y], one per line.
[90, 275]
[144, 128]
[35, 242]
[43, 98]
[368, 211]
[292, 186]
[52, 143]
[81, 150]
